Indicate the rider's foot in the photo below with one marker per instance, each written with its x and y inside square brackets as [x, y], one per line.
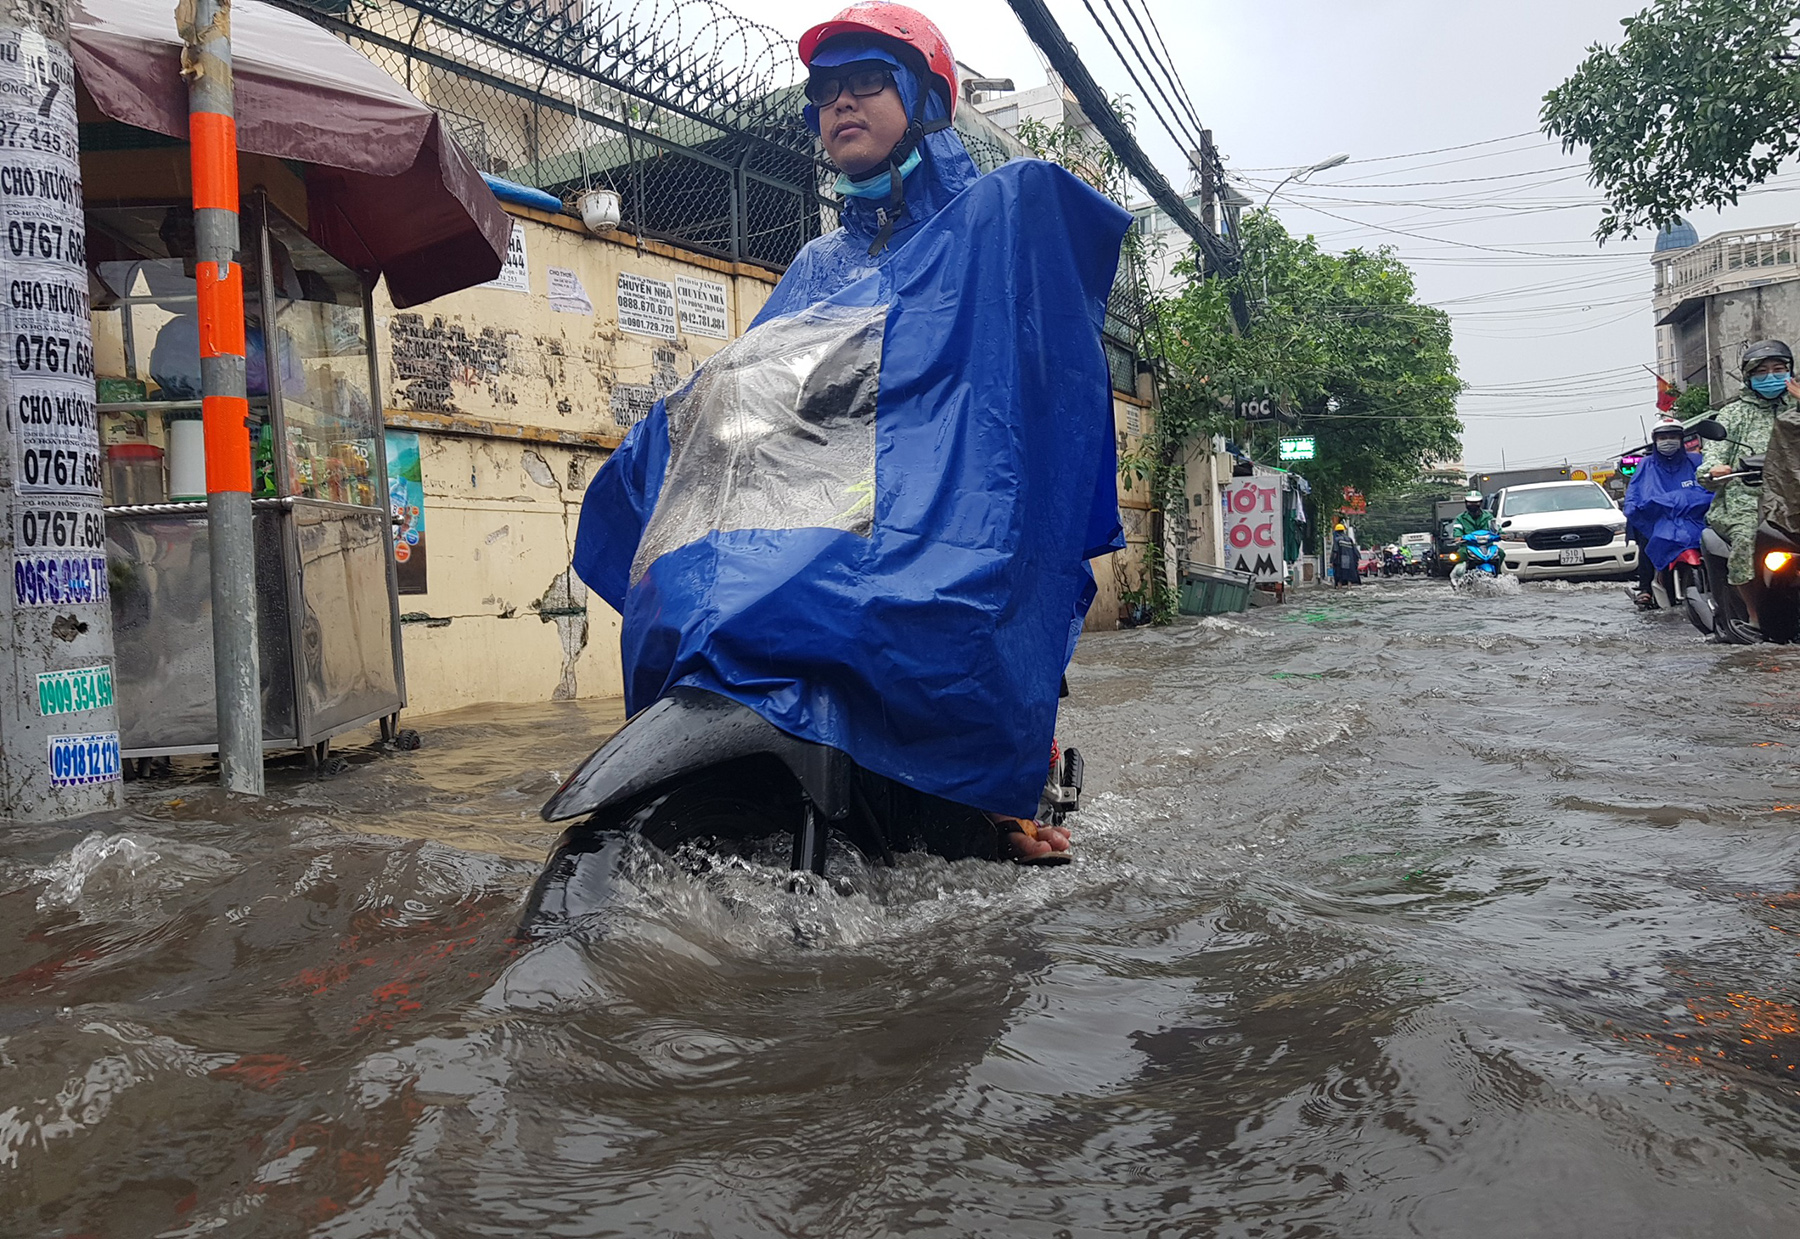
[1029, 842]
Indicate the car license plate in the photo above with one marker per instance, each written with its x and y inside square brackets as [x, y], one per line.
[1574, 555]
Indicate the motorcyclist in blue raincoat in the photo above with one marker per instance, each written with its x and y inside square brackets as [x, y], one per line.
[869, 518]
[1664, 502]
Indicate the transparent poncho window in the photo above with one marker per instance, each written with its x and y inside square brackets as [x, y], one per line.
[776, 431]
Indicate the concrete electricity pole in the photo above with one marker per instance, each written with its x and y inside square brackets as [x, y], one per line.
[59, 731]
[219, 280]
[1209, 183]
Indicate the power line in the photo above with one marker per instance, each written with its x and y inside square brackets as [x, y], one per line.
[1460, 180]
[1222, 258]
[1493, 249]
[1169, 60]
[1162, 117]
[1529, 133]
[1160, 62]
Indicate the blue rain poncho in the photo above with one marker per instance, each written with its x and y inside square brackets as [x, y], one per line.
[869, 518]
[1667, 506]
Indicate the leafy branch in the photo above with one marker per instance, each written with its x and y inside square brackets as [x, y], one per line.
[1699, 102]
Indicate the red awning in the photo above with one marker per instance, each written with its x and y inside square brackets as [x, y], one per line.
[388, 190]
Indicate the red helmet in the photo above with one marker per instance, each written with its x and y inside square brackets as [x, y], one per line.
[890, 21]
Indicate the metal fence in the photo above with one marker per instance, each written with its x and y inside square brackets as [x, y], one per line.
[691, 113]
[688, 111]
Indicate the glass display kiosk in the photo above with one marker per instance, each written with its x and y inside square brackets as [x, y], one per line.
[329, 613]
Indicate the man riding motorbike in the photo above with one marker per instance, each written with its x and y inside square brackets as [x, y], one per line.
[1665, 505]
[904, 589]
[1767, 371]
[1474, 516]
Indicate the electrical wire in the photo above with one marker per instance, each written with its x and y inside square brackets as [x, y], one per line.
[1169, 60]
[1492, 249]
[1529, 133]
[1161, 63]
[1162, 117]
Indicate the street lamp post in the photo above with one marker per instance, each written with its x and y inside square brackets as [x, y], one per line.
[1297, 174]
[1303, 173]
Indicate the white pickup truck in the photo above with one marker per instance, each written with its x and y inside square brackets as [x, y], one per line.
[1563, 529]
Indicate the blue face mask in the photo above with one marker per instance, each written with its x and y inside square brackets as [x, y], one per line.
[876, 186]
[1769, 385]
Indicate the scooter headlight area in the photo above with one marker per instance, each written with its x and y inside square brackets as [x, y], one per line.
[1778, 583]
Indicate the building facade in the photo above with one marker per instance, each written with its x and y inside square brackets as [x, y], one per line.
[1714, 297]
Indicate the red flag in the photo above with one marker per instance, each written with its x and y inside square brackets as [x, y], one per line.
[1665, 395]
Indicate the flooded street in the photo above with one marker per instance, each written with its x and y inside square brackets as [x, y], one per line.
[1395, 913]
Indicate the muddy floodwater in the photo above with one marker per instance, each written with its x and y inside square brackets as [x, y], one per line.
[1396, 914]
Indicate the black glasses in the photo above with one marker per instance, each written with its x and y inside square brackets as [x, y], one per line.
[822, 89]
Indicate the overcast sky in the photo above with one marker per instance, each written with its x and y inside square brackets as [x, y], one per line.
[1551, 340]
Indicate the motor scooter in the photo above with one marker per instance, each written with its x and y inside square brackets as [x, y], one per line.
[1670, 587]
[697, 768]
[1778, 573]
[1480, 556]
[1714, 606]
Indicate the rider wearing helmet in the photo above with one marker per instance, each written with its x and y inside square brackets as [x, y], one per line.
[1474, 516]
[1664, 506]
[905, 588]
[1766, 368]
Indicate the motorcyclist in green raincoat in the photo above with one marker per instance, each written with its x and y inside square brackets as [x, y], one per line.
[1474, 516]
[1767, 371]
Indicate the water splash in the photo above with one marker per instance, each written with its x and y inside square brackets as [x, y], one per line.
[124, 874]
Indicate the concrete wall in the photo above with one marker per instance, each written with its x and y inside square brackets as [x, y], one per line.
[517, 403]
[1208, 468]
[1735, 319]
[1133, 419]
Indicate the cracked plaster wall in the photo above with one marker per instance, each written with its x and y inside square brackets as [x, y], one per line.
[504, 618]
[506, 356]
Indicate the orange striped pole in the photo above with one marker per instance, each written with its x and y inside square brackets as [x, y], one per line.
[219, 282]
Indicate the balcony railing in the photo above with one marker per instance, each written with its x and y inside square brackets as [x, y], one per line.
[1729, 260]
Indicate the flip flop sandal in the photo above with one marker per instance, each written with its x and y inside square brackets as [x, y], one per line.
[1029, 828]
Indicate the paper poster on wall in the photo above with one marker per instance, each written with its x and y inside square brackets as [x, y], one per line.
[703, 307]
[1253, 527]
[566, 293]
[646, 306]
[515, 276]
[406, 499]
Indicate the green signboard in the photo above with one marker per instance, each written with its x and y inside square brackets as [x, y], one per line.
[83, 688]
[1300, 448]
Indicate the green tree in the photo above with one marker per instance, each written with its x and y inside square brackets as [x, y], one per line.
[1339, 339]
[1698, 102]
[1692, 403]
[1406, 509]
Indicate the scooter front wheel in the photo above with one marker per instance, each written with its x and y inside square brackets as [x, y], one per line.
[1780, 615]
[583, 871]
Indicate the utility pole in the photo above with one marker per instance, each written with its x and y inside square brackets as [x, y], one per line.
[219, 282]
[1044, 31]
[59, 731]
[1209, 184]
